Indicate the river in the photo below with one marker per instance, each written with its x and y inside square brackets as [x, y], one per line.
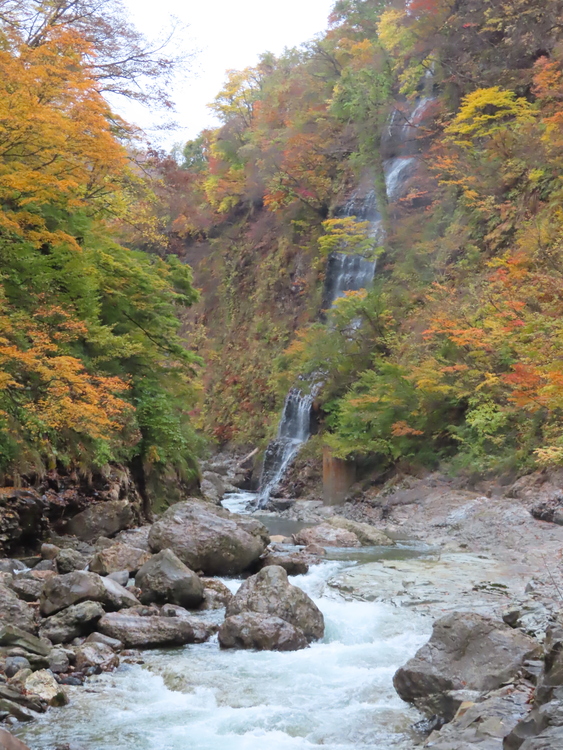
[337, 694]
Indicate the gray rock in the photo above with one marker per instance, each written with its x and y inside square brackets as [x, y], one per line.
[69, 560]
[95, 654]
[13, 665]
[15, 612]
[165, 578]
[465, 651]
[118, 597]
[136, 631]
[549, 739]
[121, 577]
[270, 593]
[117, 558]
[260, 632]
[59, 662]
[46, 565]
[209, 539]
[10, 635]
[106, 640]
[8, 565]
[28, 589]
[203, 630]
[294, 563]
[72, 622]
[138, 538]
[368, 535]
[63, 591]
[102, 519]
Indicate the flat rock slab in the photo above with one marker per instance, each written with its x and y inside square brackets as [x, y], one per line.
[451, 582]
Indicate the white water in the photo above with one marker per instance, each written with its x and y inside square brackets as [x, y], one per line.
[337, 694]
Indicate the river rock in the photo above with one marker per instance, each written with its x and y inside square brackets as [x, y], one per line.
[466, 651]
[65, 590]
[29, 587]
[270, 593]
[260, 632]
[136, 631]
[15, 612]
[117, 558]
[49, 551]
[294, 563]
[44, 685]
[101, 519]
[138, 538]
[117, 596]
[209, 539]
[11, 566]
[106, 640]
[96, 655]
[69, 560]
[72, 622]
[9, 742]
[121, 577]
[215, 594]
[10, 635]
[203, 629]
[59, 661]
[13, 664]
[327, 536]
[165, 578]
[367, 535]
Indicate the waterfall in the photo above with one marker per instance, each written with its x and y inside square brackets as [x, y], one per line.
[345, 272]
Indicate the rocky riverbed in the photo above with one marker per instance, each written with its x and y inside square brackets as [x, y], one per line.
[332, 655]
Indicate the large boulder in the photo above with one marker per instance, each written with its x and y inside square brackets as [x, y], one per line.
[137, 631]
[15, 612]
[368, 535]
[63, 591]
[327, 536]
[76, 620]
[466, 651]
[209, 539]
[270, 593]
[101, 519]
[294, 563]
[260, 632]
[165, 578]
[119, 557]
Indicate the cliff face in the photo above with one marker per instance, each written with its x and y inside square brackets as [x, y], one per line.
[447, 117]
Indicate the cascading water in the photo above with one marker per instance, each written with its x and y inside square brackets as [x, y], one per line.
[345, 272]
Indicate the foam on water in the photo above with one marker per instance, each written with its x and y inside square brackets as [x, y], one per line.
[337, 694]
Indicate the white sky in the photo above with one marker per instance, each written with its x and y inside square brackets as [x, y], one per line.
[228, 34]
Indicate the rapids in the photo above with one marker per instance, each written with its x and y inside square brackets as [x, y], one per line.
[337, 694]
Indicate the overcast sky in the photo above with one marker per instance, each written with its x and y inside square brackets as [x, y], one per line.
[228, 34]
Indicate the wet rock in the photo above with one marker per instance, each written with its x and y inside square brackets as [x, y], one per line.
[72, 622]
[15, 612]
[13, 664]
[209, 539]
[327, 536]
[465, 651]
[215, 594]
[136, 631]
[69, 560]
[102, 519]
[484, 724]
[367, 535]
[294, 563]
[94, 654]
[10, 635]
[270, 593]
[261, 632]
[44, 685]
[63, 591]
[117, 558]
[165, 578]
[9, 742]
